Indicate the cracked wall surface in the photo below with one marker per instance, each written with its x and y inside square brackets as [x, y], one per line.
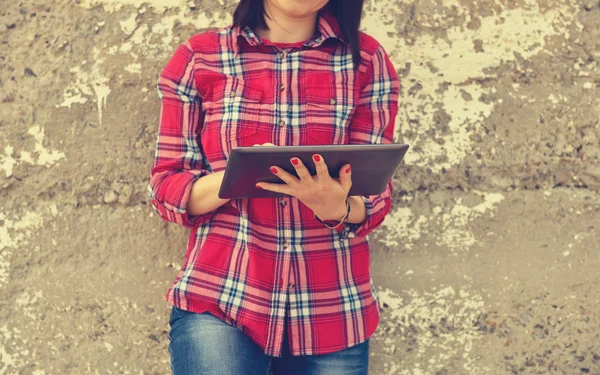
[487, 263]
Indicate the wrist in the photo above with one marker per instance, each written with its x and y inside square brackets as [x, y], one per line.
[359, 210]
[337, 215]
[337, 225]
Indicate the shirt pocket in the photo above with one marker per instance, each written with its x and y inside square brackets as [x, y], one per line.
[328, 113]
[231, 111]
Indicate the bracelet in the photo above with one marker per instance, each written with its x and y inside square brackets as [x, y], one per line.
[344, 219]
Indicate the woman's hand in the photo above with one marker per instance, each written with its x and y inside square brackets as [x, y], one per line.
[325, 196]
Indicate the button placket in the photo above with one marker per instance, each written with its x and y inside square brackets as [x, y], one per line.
[291, 282]
[282, 97]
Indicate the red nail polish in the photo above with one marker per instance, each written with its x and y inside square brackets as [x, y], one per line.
[348, 170]
[274, 170]
[258, 187]
[317, 158]
[295, 161]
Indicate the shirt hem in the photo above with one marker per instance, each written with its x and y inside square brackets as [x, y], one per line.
[195, 305]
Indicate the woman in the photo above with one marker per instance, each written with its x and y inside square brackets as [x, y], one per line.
[273, 285]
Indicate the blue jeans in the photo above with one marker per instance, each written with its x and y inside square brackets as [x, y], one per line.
[202, 344]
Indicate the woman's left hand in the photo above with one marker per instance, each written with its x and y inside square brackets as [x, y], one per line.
[324, 195]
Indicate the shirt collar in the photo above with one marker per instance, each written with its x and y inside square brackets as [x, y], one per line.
[327, 26]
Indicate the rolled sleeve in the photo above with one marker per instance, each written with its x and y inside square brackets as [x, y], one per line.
[373, 123]
[179, 159]
[378, 206]
[172, 207]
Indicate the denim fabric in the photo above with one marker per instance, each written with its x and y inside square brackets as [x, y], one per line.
[202, 344]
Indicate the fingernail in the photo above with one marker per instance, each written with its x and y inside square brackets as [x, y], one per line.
[295, 161]
[317, 157]
[274, 170]
[258, 187]
[348, 170]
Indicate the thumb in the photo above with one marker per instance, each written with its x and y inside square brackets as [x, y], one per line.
[346, 177]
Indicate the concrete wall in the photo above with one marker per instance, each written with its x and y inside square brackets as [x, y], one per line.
[487, 264]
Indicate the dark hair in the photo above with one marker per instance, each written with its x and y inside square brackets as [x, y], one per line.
[348, 13]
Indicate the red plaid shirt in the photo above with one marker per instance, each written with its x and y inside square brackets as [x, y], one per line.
[256, 262]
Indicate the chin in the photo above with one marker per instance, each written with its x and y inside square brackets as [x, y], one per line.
[298, 8]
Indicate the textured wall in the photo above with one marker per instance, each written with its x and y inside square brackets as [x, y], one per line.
[487, 264]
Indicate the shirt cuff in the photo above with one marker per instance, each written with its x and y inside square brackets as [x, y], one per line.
[177, 213]
[373, 219]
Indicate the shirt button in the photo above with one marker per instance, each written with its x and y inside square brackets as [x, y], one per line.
[332, 101]
[232, 94]
[282, 87]
[282, 122]
[286, 245]
[282, 203]
[291, 286]
[282, 55]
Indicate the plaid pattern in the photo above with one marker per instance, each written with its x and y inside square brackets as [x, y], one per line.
[254, 262]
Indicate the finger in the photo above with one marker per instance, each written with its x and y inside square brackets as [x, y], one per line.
[264, 144]
[322, 171]
[346, 177]
[301, 170]
[284, 176]
[277, 188]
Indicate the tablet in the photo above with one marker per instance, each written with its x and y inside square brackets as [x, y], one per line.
[373, 166]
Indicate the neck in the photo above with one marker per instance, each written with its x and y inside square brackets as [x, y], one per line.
[285, 29]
